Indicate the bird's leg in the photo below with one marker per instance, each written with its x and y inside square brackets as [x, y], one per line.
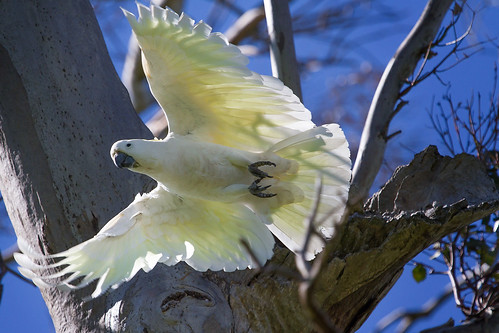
[253, 168]
[257, 190]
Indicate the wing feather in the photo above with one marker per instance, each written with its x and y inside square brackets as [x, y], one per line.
[156, 227]
[203, 85]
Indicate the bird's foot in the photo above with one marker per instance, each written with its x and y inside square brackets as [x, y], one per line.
[253, 168]
[257, 190]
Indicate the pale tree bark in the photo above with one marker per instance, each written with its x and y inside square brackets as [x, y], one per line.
[282, 45]
[61, 108]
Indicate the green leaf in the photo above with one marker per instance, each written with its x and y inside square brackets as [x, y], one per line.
[488, 257]
[474, 245]
[419, 273]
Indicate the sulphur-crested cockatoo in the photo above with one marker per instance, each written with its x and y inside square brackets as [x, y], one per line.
[240, 163]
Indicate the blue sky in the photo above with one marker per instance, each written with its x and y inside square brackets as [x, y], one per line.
[22, 308]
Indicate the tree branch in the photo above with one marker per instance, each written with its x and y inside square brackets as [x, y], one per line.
[245, 25]
[133, 75]
[490, 324]
[409, 318]
[374, 136]
[282, 46]
[61, 108]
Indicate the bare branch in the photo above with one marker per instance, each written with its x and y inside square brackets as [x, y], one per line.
[374, 136]
[245, 25]
[7, 256]
[133, 75]
[490, 325]
[8, 253]
[475, 125]
[282, 46]
[134, 79]
[311, 272]
[409, 318]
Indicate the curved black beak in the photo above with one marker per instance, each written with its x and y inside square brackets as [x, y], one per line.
[122, 160]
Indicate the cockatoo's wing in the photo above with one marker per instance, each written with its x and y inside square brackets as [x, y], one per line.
[157, 227]
[203, 85]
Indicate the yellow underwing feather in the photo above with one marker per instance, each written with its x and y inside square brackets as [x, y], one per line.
[204, 234]
[203, 85]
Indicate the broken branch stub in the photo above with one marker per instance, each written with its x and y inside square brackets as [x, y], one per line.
[434, 180]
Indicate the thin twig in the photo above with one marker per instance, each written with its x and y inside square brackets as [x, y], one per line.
[302, 264]
[408, 318]
[269, 268]
[309, 273]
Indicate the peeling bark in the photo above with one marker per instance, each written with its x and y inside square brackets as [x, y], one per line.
[430, 178]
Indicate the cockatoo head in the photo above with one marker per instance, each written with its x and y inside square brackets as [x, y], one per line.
[137, 155]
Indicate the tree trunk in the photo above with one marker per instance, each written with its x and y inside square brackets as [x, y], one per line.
[61, 108]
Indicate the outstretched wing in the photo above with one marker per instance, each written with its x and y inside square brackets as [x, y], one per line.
[157, 227]
[203, 85]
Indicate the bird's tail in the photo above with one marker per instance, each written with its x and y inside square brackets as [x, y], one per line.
[319, 154]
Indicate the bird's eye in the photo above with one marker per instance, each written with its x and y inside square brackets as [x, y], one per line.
[128, 144]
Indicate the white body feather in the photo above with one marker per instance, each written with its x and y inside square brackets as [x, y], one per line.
[222, 118]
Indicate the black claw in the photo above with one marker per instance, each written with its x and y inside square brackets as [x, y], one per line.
[253, 168]
[257, 190]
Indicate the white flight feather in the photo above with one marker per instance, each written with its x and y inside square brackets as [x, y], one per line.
[203, 84]
[204, 234]
[209, 97]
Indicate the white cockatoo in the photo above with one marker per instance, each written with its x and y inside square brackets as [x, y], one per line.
[239, 164]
